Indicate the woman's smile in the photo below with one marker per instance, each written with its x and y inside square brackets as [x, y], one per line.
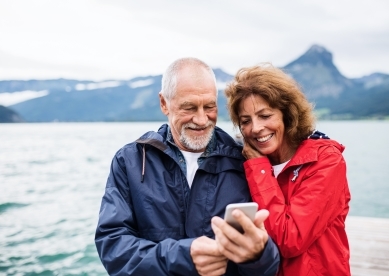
[264, 139]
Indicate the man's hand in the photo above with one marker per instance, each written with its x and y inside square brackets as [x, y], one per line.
[239, 247]
[207, 258]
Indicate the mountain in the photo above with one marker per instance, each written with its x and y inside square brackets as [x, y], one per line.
[133, 100]
[9, 116]
[334, 95]
[317, 74]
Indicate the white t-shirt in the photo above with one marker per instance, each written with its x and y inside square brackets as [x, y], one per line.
[191, 164]
[278, 168]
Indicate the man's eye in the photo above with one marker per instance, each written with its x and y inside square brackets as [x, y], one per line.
[210, 107]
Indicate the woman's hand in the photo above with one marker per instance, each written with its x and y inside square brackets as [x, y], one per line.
[249, 151]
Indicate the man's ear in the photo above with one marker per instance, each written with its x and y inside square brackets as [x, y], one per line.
[163, 104]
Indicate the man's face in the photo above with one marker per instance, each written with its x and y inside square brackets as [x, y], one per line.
[192, 112]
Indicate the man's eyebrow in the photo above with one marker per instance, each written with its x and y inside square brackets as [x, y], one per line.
[186, 103]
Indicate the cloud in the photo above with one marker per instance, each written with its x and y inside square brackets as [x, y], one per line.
[119, 39]
[15, 67]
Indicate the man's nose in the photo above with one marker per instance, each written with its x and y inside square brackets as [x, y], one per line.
[200, 117]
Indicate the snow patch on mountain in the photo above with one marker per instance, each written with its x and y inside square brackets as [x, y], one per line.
[97, 85]
[141, 83]
[141, 99]
[11, 98]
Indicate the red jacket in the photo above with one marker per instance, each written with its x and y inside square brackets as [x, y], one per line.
[308, 205]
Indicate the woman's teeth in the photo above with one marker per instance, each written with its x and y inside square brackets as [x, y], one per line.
[265, 138]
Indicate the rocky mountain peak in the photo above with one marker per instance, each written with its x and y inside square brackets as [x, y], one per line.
[316, 55]
[317, 74]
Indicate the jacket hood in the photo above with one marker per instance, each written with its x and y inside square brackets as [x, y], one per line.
[156, 139]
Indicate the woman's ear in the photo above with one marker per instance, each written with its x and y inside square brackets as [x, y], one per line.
[163, 104]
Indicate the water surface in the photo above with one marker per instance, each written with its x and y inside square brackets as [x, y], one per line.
[52, 178]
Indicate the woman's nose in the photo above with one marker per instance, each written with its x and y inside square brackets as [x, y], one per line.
[257, 126]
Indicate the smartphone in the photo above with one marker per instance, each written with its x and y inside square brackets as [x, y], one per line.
[248, 208]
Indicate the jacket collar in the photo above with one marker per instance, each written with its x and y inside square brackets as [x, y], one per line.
[221, 143]
[308, 151]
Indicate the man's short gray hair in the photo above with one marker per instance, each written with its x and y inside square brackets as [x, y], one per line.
[169, 78]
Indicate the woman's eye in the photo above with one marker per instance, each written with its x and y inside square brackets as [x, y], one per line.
[265, 116]
[244, 122]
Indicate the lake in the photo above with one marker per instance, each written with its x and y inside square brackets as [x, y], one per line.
[52, 178]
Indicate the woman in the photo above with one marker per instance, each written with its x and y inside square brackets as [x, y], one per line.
[295, 172]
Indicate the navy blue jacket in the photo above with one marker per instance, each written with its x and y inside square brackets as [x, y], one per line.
[149, 216]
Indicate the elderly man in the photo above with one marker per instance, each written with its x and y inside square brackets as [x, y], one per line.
[164, 189]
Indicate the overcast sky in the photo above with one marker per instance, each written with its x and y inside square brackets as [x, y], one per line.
[121, 39]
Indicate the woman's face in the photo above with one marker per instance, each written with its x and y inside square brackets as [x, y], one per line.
[263, 128]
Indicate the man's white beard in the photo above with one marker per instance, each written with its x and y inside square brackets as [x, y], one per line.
[197, 142]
